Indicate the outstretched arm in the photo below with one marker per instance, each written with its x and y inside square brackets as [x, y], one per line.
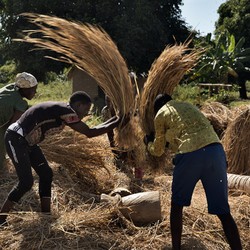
[112, 119]
[100, 129]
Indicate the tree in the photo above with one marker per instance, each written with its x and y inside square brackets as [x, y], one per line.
[224, 59]
[141, 29]
[234, 17]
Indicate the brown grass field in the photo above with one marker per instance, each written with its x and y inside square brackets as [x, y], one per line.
[83, 167]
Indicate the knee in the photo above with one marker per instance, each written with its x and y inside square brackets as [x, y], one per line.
[224, 217]
[175, 206]
[18, 191]
[26, 186]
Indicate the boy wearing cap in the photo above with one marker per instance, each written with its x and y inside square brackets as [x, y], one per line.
[12, 104]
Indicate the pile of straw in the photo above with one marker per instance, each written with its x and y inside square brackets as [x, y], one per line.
[84, 158]
[91, 49]
[165, 74]
[75, 224]
[219, 116]
[236, 141]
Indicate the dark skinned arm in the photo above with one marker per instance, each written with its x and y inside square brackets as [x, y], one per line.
[103, 128]
[111, 138]
[17, 114]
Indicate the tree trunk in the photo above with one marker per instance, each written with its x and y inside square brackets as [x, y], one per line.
[242, 87]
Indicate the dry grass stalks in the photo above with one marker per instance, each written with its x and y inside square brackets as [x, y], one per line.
[76, 224]
[91, 49]
[88, 47]
[236, 141]
[165, 74]
[134, 143]
[219, 116]
[84, 158]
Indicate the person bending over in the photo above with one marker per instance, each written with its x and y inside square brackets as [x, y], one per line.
[37, 123]
[199, 156]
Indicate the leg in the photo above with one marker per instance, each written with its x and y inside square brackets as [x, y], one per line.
[7, 206]
[45, 204]
[2, 148]
[231, 231]
[17, 149]
[185, 176]
[176, 225]
[43, 170]
[214, 180]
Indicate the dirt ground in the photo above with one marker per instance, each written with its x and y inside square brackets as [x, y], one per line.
[79, 221]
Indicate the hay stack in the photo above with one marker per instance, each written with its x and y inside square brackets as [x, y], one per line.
[91, 49]
[165, 74]
[236, 141]
[219, 116]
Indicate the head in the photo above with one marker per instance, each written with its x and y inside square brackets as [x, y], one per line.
[81, 102]
[27, 85]
[161, 100]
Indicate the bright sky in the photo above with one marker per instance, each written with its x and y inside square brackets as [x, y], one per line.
[201, 14]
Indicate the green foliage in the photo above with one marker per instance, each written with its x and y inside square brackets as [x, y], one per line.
[234, 17]
[60, 90]
[189, 93]
[55, 91]
[7, 72]
[54, 77]
[222, 60]
[193, 94]
[225, 96]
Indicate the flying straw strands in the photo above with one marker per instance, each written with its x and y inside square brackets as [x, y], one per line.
[88, 47]
[91, 49]
[165, 74]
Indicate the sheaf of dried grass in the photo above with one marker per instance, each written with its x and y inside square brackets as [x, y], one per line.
[164, 75]
[218, 114]
[91, 49]
[84, 158]
[236, 141]
[88, 47]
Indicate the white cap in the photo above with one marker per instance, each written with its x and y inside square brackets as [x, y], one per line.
[25, 80]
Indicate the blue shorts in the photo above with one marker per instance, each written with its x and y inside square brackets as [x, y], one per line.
[209, 165]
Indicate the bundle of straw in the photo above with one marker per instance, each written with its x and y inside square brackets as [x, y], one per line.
[84, 158]
[219, 116]
[165, 74]
[236, 141]
[88, 47]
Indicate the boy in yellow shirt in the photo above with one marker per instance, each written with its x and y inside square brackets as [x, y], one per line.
[199, 156]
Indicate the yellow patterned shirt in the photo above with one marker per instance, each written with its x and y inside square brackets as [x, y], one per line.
[183, 126]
